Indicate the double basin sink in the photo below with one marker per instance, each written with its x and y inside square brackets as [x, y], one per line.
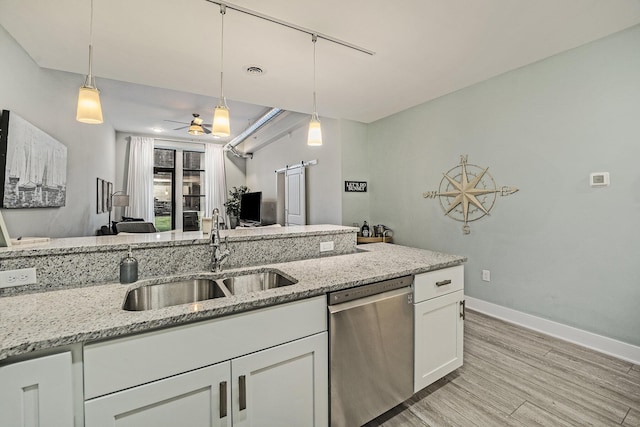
[161, 295]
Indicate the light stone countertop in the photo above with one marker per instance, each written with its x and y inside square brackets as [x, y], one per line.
[168, 238]
[46, 320]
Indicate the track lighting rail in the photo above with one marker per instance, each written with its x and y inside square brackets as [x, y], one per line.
[292, 26]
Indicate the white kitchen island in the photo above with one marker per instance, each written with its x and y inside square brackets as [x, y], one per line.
[80, 319]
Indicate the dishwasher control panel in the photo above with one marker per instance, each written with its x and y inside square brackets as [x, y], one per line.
[363, 291]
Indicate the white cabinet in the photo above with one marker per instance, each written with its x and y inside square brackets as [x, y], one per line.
[122, 363]
[439, 324]
[37, 392]
[282, 386]
[285, 385]
[196, 399]
[266, 367]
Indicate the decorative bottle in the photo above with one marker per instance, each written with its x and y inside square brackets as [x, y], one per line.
[129, 268]
[365, 230]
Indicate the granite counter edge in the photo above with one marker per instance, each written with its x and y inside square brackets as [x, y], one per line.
[260, 301]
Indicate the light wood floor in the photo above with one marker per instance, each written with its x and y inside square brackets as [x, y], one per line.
[516, 377]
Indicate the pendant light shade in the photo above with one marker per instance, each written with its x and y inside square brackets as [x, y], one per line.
[89, 108]
[315, 132]
[221, 127]
[314, 138]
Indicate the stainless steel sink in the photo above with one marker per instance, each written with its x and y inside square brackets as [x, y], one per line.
[151, 297]
[253, 282]
[167, 294]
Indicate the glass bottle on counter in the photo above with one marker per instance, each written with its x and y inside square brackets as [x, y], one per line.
[365, 230]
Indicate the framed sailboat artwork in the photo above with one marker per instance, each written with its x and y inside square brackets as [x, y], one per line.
[34, 165]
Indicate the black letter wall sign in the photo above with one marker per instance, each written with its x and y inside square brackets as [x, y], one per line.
[355, 186]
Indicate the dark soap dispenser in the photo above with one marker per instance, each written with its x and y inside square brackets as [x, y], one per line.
[128, 268]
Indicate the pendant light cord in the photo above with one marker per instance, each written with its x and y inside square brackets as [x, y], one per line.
[89, 81]
[223, 11]
[91, 26]
[314, 39]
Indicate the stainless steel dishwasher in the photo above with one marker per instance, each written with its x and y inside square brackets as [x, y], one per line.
[370, 350]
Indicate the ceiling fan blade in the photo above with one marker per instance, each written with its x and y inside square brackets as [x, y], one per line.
[206, 130]
[174, 121]
[183, 127]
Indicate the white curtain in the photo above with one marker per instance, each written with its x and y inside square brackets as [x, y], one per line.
[140, 178]
[215, 181]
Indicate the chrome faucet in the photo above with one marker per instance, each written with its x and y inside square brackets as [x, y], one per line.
[218, 255]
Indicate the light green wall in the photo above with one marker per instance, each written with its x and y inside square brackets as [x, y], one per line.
[355, 167]
[558, 248]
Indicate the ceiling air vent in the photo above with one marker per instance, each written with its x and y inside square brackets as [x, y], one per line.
[254, 70]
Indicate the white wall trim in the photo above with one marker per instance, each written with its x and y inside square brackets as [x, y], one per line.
[619, 349]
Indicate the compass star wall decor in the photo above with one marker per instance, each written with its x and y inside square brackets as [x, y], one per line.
[467, 193]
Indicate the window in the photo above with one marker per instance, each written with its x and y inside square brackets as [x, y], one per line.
[192, 189]
[178, 174]
[164, 188]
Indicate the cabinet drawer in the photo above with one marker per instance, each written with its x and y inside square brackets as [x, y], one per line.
[439, 282]
[130, 361]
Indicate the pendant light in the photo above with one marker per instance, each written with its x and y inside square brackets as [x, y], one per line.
[314, 137]
[221, 127]
[89, 108]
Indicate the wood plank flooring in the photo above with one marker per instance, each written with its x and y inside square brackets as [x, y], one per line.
[516, 377]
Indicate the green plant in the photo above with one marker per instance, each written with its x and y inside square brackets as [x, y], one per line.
[233, 202]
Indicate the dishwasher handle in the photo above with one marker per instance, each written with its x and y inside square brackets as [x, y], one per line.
[337, 308]
[372, 289]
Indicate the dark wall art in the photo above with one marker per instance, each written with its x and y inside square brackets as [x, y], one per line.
[34, 165]
[355, 186]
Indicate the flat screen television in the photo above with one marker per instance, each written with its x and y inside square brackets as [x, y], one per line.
[250, 204]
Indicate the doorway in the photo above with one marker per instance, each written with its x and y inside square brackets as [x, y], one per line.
[291, 196]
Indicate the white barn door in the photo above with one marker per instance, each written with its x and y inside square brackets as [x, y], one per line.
[295, 197]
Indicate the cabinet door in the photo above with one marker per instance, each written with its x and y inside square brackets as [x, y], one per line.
[438, 338]
[195, 399]
[282, 386]
[37, 392]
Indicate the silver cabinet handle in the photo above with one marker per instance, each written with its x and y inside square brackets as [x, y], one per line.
[444, 282]
[223, 399]
[242, 385]
[462, 308]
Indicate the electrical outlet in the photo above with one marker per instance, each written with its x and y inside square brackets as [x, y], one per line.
[326, 246]
[486, 275]
[24, 276]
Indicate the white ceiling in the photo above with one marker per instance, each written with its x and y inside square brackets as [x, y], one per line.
[423, 49]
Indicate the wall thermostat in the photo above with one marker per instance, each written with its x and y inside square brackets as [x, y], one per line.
[599, 179]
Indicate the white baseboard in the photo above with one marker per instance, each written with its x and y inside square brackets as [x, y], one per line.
[619, 349]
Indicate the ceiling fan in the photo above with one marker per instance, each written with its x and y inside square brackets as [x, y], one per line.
[196, 127]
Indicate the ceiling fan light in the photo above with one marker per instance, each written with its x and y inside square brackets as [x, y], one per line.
[195, 129]
[314, 137]
[221, 126]
[89, 108]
